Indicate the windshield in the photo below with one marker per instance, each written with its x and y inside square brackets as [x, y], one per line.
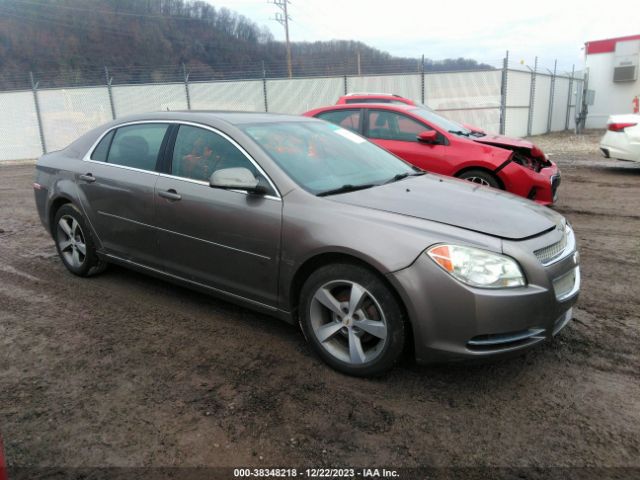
[441, 122]
[326, 159]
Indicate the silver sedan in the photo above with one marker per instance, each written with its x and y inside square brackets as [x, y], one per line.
[310, 222]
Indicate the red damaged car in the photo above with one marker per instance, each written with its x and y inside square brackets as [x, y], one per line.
[3, 465]
[436, 144]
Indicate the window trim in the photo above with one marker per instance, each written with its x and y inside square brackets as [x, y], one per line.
[168, 151]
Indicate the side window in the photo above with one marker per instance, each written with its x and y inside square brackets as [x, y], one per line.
[349, 119]
[137, 145]
[100, 152]
[387, 125]
[198, 153]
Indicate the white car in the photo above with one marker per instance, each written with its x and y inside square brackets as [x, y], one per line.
[622, 140]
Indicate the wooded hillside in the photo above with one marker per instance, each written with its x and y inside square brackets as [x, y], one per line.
[68, 42]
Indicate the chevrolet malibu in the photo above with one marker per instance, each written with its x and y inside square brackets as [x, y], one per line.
[309, 222]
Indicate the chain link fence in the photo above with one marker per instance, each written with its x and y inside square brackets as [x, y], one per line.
[512, 99]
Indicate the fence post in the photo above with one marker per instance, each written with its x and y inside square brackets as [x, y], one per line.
[185, 75]
[34, 89]
[422, 100]
[551, 95]
[532, 96]
[109, 81]
[503, 94]
[569, 95]
[264, 87]
[345, 84]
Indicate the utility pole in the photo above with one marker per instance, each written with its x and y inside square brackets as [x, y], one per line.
[283, 19]
[359, 69]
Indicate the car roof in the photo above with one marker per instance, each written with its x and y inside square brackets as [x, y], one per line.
[390, 106]
[206, 116]
[365, 94]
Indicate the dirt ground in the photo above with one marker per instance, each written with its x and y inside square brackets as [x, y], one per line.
[125, 370]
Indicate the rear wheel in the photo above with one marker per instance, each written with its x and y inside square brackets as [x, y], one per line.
[352, 319]
[481, 177]
[74, 242]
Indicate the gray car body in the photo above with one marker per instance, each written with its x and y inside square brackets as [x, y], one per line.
[258, 250]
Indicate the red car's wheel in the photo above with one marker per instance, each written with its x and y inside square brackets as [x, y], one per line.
[482, 177]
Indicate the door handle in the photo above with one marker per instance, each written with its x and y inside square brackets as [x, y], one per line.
[88, 178]
[170, 194]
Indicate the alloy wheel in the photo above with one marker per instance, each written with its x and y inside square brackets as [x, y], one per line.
[71, 241]
[478, 180]
[348, 322]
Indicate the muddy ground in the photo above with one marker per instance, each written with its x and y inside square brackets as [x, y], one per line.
[126, 370]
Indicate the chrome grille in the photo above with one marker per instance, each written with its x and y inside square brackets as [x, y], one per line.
[549, 253]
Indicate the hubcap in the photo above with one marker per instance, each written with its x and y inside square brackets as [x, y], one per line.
[348, 322]
[478, 180]
[71, 241]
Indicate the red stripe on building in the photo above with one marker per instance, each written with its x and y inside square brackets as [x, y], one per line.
[607, 45]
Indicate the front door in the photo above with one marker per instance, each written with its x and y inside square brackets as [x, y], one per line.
[398, 133]
[225, 239]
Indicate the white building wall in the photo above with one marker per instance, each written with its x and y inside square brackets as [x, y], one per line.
[611, 97]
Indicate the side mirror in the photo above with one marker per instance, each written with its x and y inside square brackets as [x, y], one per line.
[428, 136]
[238, 178]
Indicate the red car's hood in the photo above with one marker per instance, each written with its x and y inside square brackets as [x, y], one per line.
[502, 141]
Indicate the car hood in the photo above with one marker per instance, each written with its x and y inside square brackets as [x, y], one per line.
[459, 203]
[502, 141]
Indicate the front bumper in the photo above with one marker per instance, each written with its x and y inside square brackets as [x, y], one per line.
[541, 187]
[453, 321]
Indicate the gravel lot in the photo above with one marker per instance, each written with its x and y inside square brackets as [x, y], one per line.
[126, 370]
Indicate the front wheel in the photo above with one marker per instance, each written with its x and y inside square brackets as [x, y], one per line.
[352, 319]
[481, 177]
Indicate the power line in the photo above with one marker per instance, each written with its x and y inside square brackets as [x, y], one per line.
[283, 18]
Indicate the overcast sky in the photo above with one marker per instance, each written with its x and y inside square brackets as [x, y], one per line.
[479, 29]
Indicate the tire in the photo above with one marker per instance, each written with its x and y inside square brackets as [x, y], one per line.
[352, 319]
[481, 177]
[74, 242]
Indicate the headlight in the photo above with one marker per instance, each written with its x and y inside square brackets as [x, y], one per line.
[476, 267]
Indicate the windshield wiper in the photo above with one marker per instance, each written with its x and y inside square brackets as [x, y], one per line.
[460, 132]
[400, 176]
[345, 189]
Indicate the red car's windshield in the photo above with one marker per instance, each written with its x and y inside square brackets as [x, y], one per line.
[441, 122]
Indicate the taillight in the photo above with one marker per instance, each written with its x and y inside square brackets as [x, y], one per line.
[618, 127]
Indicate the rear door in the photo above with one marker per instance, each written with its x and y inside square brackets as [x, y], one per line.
[117, 187]
[225, 239]
[398, 133]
